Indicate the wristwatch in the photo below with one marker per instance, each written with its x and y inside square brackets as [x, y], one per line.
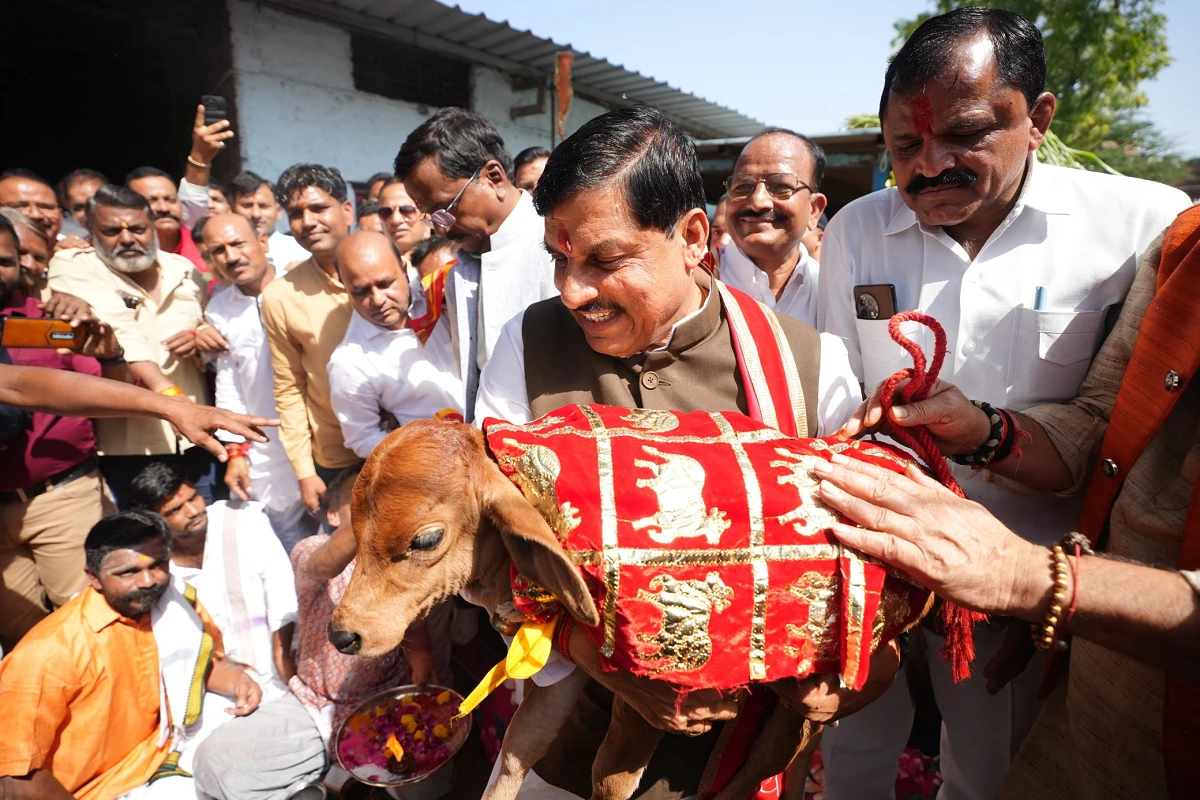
[116, 360]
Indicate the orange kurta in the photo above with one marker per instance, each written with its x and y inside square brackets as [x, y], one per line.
[79, 697]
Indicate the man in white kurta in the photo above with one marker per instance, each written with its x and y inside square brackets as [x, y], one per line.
[1022, 264]
[457, 170]
[245, 383]
[773, 201]
[233, 559]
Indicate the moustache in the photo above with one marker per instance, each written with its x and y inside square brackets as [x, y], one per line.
[599, 307]
[142, 598]
[958, 176]
[168, 215]
[770, 215]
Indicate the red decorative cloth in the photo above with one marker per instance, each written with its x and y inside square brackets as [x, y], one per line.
[434, 287]
[704, 543]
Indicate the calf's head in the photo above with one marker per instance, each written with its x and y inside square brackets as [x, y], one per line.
[433, 516]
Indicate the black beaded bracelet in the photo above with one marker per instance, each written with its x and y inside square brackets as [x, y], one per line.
[996, 438]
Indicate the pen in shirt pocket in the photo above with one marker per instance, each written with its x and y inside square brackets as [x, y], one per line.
[1039, 299]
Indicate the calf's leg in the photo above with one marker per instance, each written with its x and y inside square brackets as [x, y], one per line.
[786, 736]
[538, 720]
[624, 753]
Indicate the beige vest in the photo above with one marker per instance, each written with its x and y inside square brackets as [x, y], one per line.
[698, 372]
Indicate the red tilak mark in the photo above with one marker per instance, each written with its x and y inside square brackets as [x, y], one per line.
[923, 115]
[564, 241]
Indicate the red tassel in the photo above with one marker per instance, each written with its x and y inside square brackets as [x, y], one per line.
[959, 648]
[957, 622]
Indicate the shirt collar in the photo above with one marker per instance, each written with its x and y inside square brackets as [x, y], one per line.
[744, 266]
[513, 228]
[96, 610]
[1039, 193]
[696, 326]
[363, 329]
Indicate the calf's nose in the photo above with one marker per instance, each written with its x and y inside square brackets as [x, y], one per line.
[346, 642]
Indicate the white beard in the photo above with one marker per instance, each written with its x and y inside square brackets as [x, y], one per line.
[128, 266]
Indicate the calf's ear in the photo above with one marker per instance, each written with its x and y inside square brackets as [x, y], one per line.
[534, 548]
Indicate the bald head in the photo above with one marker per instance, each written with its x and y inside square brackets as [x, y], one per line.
[375, 277]
[238, 251]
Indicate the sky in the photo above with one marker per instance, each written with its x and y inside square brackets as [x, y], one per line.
[798, 64]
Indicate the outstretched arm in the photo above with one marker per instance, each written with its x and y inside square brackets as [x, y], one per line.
[963, 553]
[70, 394]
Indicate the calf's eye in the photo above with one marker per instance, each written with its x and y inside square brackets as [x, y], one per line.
[428, 540]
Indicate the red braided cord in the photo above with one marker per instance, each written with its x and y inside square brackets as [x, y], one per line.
[956, 620]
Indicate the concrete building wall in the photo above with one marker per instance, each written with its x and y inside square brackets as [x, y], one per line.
[296, 99]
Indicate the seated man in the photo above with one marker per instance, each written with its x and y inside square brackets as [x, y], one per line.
[237, 566]
[381, 366]
[81, 696]
[286, 744]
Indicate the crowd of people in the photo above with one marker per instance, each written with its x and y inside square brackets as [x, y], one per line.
[165, 599]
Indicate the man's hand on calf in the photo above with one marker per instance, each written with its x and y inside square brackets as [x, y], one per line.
[657, 701]
[821, 698]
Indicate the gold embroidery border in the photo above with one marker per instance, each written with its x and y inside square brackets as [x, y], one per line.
[610, 562]
[758, 535]
[856, 595]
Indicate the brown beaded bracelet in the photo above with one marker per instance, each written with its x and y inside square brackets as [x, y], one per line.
[1045, 634]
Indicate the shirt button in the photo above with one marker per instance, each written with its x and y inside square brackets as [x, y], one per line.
[968, 347]
[1172, 381]
[650, 380]
[1109, 468]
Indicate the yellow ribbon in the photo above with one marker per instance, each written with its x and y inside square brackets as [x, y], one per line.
[528, 653]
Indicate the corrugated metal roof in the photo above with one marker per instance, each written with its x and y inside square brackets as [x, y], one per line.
[430, 24]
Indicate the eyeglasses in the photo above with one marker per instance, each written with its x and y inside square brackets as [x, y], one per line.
[408, 212]
[780, 185]
[442, 220]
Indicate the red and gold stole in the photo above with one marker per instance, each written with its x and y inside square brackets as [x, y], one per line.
[434, 286]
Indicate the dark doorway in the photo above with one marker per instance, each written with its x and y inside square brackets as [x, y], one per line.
[108, 84]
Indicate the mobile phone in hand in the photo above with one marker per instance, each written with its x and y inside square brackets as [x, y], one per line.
[215, 108]
[23, 332]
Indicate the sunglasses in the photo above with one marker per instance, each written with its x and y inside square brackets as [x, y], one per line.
[780, 185]
[408, 212]
[442, 220]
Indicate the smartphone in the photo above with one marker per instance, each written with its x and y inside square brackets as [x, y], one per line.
[875, 300]
[215, 108]
[22, 332]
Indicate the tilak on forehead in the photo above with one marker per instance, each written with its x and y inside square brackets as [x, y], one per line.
[564, 239]
[922, 114]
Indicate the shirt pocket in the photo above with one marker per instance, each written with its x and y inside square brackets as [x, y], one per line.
[1051, 354]
[881, 355]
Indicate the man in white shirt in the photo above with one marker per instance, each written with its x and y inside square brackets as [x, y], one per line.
[258, 471]
[1022, 263]
[381, 367]
[459, 173]
[774, 200]
[237, 566]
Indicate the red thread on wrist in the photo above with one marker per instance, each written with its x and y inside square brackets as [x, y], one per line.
[1074, 589]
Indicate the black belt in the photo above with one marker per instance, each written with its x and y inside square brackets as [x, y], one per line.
[27, 493]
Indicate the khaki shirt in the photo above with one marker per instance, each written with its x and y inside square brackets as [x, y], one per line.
[305, 314]
[1099, 735]
[141, 326]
